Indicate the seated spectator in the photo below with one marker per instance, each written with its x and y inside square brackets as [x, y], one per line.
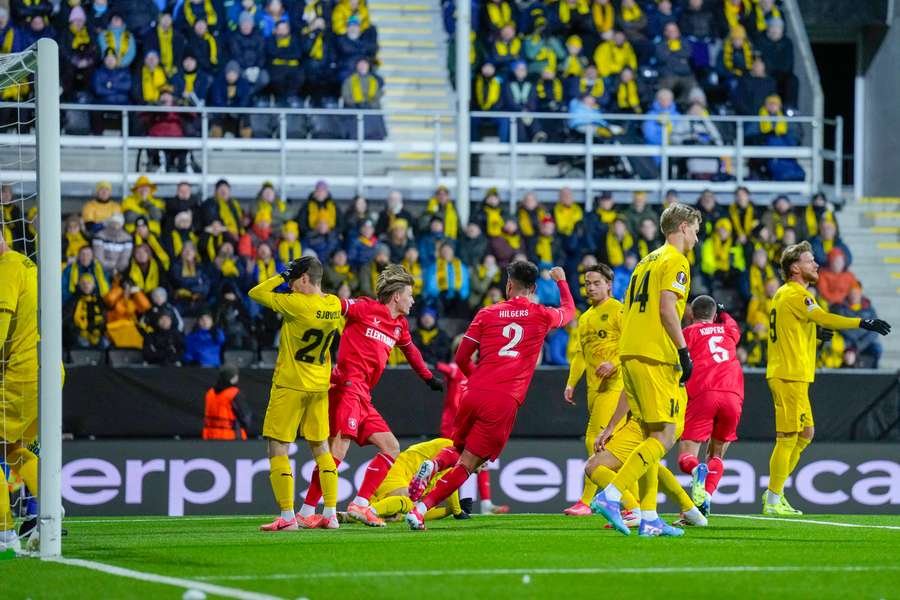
[352, 46]
[508, 244]
[168, 43]
[84, 316]
[225, 269]
[125, 305]
[262, 266]
[323, 241]
[491, 215]
[203, 346]
[482, 277]
[233, 318]
[667, 119]
[35, 29]
[79, 56]
[247, 47]
[507, 49]
[164, 345]
[743, 214]
[160, 305]
[361, 249]
[487, 96]
[167, 124]
[431, 340]
[74, 239]
[753, 89]
[24, 11]
[412, 265]
[447, 282]
[659, 18]
[778, 53]
[319, 205]
[144, 270]
[273, 208]
[722, 261]
[204, 46]
[224, 208]
[273, 14]
[199, 10]
[441, 205]
[430, 240]
[230, 90]
[542, 51]
[498, 13]
[289, 247]
[111, 85]
[835, 281]
[189, 281]
[344, 10]
[101, 207]
[613, 55]
[585, 116]
[673, 56]
[119, 40]
[865, 344]
[638, 211]
[520, 96]
[622, 275]
[363, 90]
[760, 271]
[112, 246]
[699, 130]
[648, 238]
[143, 203]
[181, 233]
[393, 211]
[546, 247]
[190, 83]
[368, 273]
[736, 13]
[781, 216]
[773, 127]
[317, 44]
[398, 240]
[633, 22]
[549, 91]
[827, 240]
[338, 272]
[618, 241]
[83, 265]
[626, 94]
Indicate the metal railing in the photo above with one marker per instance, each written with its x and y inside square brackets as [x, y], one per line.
[513, 164]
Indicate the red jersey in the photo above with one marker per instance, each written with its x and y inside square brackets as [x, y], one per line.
[713, 348]
[369, 336]
[509, 337]
[456, 383]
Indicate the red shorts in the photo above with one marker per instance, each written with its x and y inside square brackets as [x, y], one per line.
[713, 414]
[484, 423]
[351, 414]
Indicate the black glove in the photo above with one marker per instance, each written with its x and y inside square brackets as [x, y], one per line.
[687, 365]
[720, 308]
[876, 325]
[435, 384]
[824, 335]
[289, 269]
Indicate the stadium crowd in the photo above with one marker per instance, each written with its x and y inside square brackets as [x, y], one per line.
[170, 275]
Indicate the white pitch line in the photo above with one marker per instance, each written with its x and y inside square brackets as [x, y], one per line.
[560, 571]
[187, 584]
[810, 521]
[125, 519]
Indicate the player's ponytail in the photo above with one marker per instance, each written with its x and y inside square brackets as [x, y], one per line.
[391, 281]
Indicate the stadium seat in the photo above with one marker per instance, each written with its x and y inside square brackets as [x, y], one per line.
[86, 358]
[121, 357]
[240, 358]
[267, 357]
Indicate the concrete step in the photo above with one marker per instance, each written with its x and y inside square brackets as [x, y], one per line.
[415, 80]
[411, 33]
[409, 44]
[378, 6]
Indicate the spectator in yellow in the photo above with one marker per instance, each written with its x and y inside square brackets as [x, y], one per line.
[720, 257]
[773, 123]
[567, 214]
[442, 205]
[143, 235]
[758, 323]
[618, 241]
[743, 215]
[614, 55]
[144, 271]
[99, 208]
[271, 207]
[490, 215]
[338, 272]
[182, 233]
[603, 14]
[143, 203]
[152, 80]
[222, 207]
[574, 62]
[530, 214]
[758, 273]
[289, 247]
[499, 14]
[412, 265]
[319, 206]
[84, 316]
[73, 239]
[83, 265]
[345, 9]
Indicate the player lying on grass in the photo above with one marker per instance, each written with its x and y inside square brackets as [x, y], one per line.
[715, 397]
[298, 401]
[508, 336]
[373, 328]
[792, 365]
[612, 446]
[597, 353]
[18, 380]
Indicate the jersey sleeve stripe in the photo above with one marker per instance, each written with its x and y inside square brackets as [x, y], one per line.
[471, 338]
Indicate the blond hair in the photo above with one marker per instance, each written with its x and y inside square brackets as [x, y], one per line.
[390, 281]
[675, 215]
[791, 255]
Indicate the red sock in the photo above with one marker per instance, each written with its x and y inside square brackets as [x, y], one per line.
[716, 466]
[446, 485]
[484, 485]
[687, 462]
[375, 474]
[314, 494]
[446, 458]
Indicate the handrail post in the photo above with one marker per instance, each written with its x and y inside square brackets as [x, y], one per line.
[360, 136]
[282, 154]
[839, 157]
[513, 162]
[125, 128]
[739, 154]
[204, 150]
[436, 157]
[664, 159]
[818, 144]
[588, 165]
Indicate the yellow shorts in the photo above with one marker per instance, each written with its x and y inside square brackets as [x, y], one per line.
[296, 413]
[18, 411]
[601, 406]
[399, 476]
[793, 411]
[654, 394]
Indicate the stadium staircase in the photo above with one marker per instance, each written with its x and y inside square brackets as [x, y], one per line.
[871, 228]
[413, 62]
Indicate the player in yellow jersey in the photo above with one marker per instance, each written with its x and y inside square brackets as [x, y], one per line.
[18, 378]
[655, 365]
[791, 368]
[598, 354]
[298, 402]
[392, 496]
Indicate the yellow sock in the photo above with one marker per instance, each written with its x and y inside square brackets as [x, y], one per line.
[282, 482]
[799, 447]
[390, 506]
[780, 463]
[25, 463]
[649, 485]
[6, 518]
[328, 479]
[629, 500]
[590, 490]
[673, 490]
[453, 503]
[634, 491]
[648, 453]
[438, 512]
[601, 476]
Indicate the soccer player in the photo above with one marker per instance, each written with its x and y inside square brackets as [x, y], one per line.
[18, 378]
[655, 360]
[508, 336]
[373, 328]
[598, 353]
[792, 362]
[715, 396]
[298, 401]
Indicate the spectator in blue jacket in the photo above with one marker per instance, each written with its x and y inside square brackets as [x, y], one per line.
[430, 240]
[247, 47]
[203, 345]
[827, 240]
[622, 275]
[111, 85]
[230, 90]
[667, 117]
[447, 282]
[353, 46]
[323, 241]
[37, 29]
[361, 250]
[866, 344]
[190, 82]
[584, 114]
[119, 40]
[546, 290]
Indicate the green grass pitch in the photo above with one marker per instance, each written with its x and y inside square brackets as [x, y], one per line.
[513, 556]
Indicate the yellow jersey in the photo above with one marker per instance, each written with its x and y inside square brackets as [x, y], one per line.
[409, 461]
[311, 324]
[792, 332]
[19, 297]
[599, 330]
[643, 334]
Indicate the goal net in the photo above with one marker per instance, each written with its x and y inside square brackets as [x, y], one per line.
[30, 299]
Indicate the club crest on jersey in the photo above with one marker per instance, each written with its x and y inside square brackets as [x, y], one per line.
[351, 423]
[397, 331]
[604, 317]
[681, 277]
[376, 322]
[810, 303]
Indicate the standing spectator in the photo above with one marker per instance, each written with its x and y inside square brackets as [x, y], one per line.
[368, 273]
[736, 58]
[247, 47]
[98, 15]
[597, 222]
[778, 52]
[398, 241]
[472, 246]
[490, 216]
[230, 90]
[447, 282]
[507, 49]
[835, 281]
[225, 414]
[430, 339]
[546, 247]
[697, 24]
[319, 205]
[361, 249]
[743, 214]
[760, 271]
[142, 202]
[118, 39]
[626, 95]
[338, 272]
[442, 206]
[150, 82]
[519, 95]
[529, 215]
[827, 240]
[83, 265]
[233, 319]
[753, 89]
[487, 96]
[112, 246]
[84, 316]
[271, 207]
[673, 55]
[323, 241]
[139, 15]
[363, 90]
[615, 54]
[168, 43]
[164, 345]
[542, 52]
[568, 217]
[634, 22]
[204, 46]
[647, 237]
[638, 211]
[619, 242]
[722, 261]
[203, 346]
[344, 10]
[289, 247]
[865, 344]
[183, 200]
[191, 83]
[429, 241]
[710, 211]
[180, 234]
[352, 46]
[482, 277]
[273, 14]
[189, 281]
[79, 55]
[783, 216]
[508, 245]
[25, 11]
[99, 208]
[193, 11]
[393, 211]
[111, 85]
[659, 18]
[223, 208]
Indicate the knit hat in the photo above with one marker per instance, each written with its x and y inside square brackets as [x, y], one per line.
[574, 40]
[77, 14]
[101, 185]
[246, 16]
[233, 65]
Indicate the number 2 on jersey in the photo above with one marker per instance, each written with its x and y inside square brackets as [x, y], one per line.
[513, 332]
[307, 353]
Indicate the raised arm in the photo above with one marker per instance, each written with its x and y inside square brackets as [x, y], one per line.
[823, 318]
[264, 293]
[566, 308]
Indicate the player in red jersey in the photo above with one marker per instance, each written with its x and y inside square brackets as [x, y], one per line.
[715, 396]
[456, 387]
[372, 330]
[508, 337]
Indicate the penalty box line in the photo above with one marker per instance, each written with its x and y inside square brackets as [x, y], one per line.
[809, 521]
[187, 584]
[560, 571]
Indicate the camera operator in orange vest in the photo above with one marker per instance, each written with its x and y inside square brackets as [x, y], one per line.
[226, 416]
